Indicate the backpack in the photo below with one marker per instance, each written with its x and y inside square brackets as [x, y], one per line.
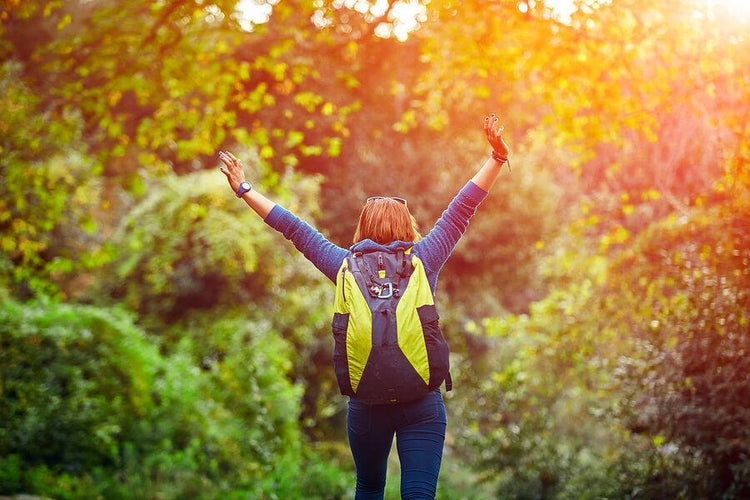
[388, 344]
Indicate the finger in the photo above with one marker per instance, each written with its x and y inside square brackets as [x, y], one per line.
[486, 124]
[233, 157]
[225, 159]
[490, 122]
[224, 171]
[495, 121]
[224, 156]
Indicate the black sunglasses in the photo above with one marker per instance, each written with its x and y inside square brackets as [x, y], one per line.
[400, 200]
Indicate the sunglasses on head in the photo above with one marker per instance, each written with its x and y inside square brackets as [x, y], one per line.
[400, 200]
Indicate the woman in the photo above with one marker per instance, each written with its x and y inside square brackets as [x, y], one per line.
[385, 222]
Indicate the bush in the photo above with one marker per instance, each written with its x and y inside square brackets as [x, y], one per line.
[89, 407]
[69, 376]
[686, 287]
[190, 246]
[631, 376]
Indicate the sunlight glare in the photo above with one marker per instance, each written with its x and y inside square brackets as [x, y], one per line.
[252, 12]
[561, 9]
[405, 15]
[737, 10]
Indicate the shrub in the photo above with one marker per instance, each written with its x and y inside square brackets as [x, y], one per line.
[89, 407]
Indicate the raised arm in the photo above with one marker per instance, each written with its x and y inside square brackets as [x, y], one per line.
[436, 247]
[324, 255]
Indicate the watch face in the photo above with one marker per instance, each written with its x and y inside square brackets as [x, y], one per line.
[244, 188]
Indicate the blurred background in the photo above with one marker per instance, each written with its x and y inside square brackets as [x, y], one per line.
[159, 341]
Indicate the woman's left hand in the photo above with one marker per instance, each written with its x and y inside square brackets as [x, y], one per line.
[233, 169]
[493, 130]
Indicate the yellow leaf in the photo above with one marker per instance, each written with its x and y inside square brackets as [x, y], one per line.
[8, 244]
[266, 152]
[621, 235]
[64, 21]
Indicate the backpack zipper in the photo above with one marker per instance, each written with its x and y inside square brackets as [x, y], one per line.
[343, 284]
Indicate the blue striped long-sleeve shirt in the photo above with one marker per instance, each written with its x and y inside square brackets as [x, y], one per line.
[434, 249]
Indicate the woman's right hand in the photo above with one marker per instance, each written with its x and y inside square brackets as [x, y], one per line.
[233, 169]
[493, 130]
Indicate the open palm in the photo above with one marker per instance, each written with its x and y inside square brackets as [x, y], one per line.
[493, 130]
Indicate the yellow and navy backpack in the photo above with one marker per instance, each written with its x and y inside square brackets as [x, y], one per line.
[388, 345]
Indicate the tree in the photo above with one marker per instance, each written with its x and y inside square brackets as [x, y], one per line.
[46, 192]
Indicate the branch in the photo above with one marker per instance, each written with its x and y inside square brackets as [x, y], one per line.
[160, 22]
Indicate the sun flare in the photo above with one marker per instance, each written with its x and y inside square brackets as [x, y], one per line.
[730, 11]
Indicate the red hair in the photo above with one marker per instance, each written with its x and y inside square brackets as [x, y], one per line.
[385, 220]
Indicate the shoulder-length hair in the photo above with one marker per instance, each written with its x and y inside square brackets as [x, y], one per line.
[385, 220]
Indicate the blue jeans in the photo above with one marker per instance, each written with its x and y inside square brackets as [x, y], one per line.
[420, 432]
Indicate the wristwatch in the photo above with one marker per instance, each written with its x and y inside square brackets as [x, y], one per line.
[244, 188]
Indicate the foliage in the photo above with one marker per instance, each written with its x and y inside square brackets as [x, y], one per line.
[69, 376]
[47, 186]
[689, 322]
[91, 407]
[160, 84]
[645, 348]
[215, 250]
[545, 420]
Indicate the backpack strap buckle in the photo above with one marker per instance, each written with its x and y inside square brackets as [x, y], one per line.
[384, 291]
